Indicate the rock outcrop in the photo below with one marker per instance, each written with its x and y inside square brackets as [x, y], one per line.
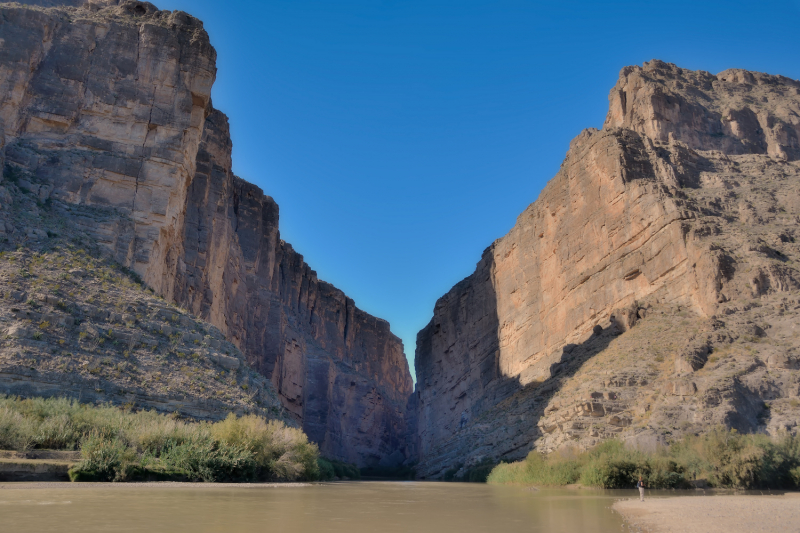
[76, 325]
[674, 225]
[107, 105]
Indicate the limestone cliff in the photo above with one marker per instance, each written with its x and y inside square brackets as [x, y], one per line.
[107, 105]
[666, 237]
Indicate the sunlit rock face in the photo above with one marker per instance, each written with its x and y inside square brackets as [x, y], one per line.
[109, 107]
[735, 112]
[653, 209]
[108, 104]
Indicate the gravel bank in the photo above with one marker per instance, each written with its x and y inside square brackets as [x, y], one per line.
[712, 514]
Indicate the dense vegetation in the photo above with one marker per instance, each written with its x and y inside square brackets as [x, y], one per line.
[120, 445]
[721, 457]
[331, 469]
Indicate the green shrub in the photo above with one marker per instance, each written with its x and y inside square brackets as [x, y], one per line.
[723, 457]
[333, 468]
[346, 470]
[781, 464]
[15, 430]
[284, 451]
[119, 445]
[611, 466]
[552, 470]
[538, 469]
[794, 475]
[56, 433]
[326, 470]
[103, 458]
[155, 435]
[664, 473]
[610, 473]
[203, 459]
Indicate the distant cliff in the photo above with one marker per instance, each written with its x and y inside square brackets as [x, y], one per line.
[108, 105]
[651, 290]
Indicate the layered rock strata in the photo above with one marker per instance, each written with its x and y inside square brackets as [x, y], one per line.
[107, 106]
[685, 206]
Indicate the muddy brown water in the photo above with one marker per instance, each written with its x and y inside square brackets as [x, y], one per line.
[351, 507]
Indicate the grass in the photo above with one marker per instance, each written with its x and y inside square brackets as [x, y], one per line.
[332, 468]
[723, 458]
[120, 445]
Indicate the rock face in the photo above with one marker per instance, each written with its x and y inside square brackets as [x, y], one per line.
[683, 207]
[338, 369]
[107, 105]
[735, 112]
[76, 325]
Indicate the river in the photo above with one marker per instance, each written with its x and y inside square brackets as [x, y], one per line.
[347, 507]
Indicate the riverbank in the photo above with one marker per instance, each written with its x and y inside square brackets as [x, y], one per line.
[106, 443]
[713, 514]
[138, 485]
[721, 458]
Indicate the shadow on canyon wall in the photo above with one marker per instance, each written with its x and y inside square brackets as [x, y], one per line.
[466, 407]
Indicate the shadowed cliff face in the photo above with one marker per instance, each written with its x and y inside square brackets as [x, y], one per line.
[337, 369]
[639, 215]
[461, 363]
[108, 105]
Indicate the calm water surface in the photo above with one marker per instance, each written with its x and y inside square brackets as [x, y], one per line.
[352, 507]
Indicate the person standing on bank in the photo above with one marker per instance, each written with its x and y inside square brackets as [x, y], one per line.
[640, 486]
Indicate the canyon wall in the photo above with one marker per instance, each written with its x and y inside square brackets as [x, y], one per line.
[108, 105]
[649, 213]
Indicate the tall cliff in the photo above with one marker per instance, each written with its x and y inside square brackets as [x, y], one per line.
[651, 290]
[107, 105]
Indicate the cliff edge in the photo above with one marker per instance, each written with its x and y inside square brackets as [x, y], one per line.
[650, 291]
[107, 106]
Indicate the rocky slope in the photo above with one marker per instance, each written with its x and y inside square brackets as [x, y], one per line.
[78, 325]
[651, 290]
[107, 106]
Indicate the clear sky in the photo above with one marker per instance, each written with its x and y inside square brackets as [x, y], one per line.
[401, 137]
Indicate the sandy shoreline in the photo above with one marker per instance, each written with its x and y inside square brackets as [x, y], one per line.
[713, 514]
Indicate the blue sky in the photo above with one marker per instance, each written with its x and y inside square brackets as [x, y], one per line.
[400, 138]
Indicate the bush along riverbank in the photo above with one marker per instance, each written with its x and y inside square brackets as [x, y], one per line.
[120, 445]
[721, 458]
[332, 469]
